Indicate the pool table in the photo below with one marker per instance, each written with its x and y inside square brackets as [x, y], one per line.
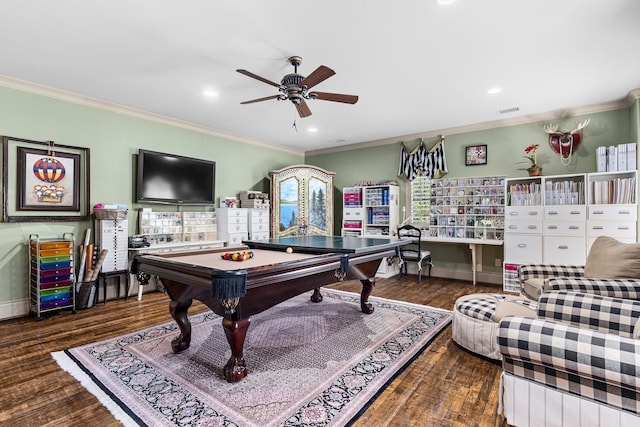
[279, 269]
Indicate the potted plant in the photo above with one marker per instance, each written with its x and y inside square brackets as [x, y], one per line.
[530, 153]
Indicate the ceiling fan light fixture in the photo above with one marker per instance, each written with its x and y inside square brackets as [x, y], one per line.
[295, 87]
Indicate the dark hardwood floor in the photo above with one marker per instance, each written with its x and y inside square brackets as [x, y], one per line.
[444, 386]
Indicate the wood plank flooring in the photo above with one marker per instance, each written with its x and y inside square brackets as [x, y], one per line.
[444, 386]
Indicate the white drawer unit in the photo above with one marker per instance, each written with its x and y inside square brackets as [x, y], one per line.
[564, 250]
[617, 212]
[522, 248]
[523, 212]
[556, 219]
[618, 229]
[565, 213]
[112, 235]
[523, 226]
[233, 225]
[564, 228]
[259, 220]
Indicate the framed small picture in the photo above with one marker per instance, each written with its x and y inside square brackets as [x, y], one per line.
[476, 155]
[48, 182]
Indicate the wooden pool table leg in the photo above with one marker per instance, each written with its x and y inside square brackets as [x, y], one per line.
[236, 331]
[178, 311]
[367, 287]
[317, 296]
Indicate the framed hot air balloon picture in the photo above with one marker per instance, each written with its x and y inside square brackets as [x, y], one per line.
[48, 180]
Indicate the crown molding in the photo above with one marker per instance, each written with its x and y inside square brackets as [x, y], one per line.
[625, 102]
[12, 83]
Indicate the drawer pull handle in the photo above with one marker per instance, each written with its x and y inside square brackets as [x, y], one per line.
[574, 212]
[598, 212]
[597, 227]
[563, 247]
[522, 245]
[513, 227]
[532, 227]
[513, 213]
[623, 227]
[552, 227]
[533, 213]
[624, 212]
[553, 212]
[574, 227]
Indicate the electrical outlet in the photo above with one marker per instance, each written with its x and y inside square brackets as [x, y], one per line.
[498, 262]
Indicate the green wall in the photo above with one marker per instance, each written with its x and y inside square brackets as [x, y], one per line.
[505, 148]
[114, 140]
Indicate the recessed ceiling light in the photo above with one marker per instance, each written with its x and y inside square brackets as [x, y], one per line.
[446, 1]
[210, 93]
[312, 130]
[494, 90]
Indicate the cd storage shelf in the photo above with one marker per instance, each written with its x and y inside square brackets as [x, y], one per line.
[370, 210]
[51, 275]
[174, 227]
[467, 208]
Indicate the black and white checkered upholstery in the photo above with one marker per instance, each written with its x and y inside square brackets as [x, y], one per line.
[482, 307]
[604, 314]
[617, 288]
[530, 271]
[586, 349]
[571, 278]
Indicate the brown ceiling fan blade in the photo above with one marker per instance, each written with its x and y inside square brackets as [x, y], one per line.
[266, 98]
[335, 97]
[257, 77]
[321, 74]
[303, 109]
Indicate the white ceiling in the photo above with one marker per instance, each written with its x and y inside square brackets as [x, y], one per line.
[416, 65]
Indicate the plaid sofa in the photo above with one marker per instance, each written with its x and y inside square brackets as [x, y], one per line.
[571, 278]
[582, 350]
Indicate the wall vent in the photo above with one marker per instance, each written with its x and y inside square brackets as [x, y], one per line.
[509, 110]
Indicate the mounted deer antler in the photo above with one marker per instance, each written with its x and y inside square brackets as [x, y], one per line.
[565, 142]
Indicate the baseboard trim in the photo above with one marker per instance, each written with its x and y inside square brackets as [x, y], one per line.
[13, 309]
[458, 274]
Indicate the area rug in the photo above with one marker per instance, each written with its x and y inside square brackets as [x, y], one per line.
[310, 364]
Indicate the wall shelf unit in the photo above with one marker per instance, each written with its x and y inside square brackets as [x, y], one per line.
[176, 227]
[370, 210]
[467, 208]
[555, 219]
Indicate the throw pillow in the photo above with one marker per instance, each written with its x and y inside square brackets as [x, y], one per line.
[612, 259]
[532, 288]
[514, 306]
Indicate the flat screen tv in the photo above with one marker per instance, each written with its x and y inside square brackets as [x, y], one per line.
[174, 180]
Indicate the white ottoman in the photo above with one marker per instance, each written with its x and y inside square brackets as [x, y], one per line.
[476, 317]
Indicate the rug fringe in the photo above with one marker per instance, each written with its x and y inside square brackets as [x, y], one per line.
[68, 365]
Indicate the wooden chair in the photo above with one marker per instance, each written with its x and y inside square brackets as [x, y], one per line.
[413, 252]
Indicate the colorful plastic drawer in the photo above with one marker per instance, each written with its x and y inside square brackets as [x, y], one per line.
[56, 272]
[55, 291]
[55, 304]
[52, 245]
[54, 252]
[56, 278]
[54, 285]
[51, 265]
[55, 297]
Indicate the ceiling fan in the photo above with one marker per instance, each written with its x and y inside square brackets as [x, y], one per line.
[295, 87]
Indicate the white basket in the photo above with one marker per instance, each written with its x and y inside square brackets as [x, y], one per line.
[110, 213]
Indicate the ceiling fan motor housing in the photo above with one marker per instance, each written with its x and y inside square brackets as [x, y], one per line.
[291, 87]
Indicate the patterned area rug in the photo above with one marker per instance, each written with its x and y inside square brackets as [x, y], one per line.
[317, 364]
